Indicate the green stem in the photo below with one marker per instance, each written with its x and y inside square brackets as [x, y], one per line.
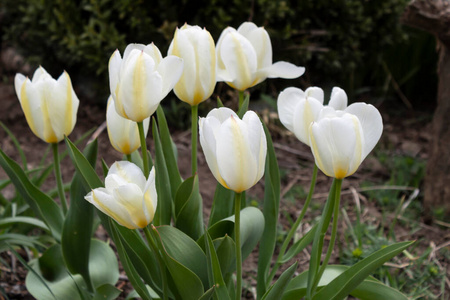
[319, 237]
[162, 267]
[194, 118]
[61, 194]
[337, 201]
[294, 227]
[241, 99]
[143, 148]
[128, 157]
[237, 234]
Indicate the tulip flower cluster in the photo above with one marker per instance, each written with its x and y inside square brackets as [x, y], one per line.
[180, 259]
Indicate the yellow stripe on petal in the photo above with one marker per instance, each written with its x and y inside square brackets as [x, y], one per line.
[110, 213]
[242, 64]
[139, 78]
[25, 103]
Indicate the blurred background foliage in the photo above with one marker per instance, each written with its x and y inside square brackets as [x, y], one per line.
[358, 45]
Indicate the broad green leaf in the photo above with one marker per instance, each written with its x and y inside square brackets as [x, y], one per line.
[184, 250]
[342, 285]
[169, 150]
[137, 159]
[5, 222]
[17, 239]
[299, 245]
[189, 209]
[214, 271]
[106, 292]
[369, 289]
[270, 212]
[164, 208]
[208, 294]
[42, 205]
[132, 274]
[276, 290]
[186, 281]
[226, 253]
[83, 167]
[78, 226]
[222, 206]
[50, 266]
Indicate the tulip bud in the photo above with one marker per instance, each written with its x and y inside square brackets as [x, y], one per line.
[123, 133]
[196, 47]
[50, 106]
[127, 197]
[140, 80]
[235, 149]
[244, 58]
[341, 140]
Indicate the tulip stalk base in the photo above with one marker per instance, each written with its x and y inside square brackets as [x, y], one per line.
[61, 194]
[143, 148]
[237, 234]
[194, 126]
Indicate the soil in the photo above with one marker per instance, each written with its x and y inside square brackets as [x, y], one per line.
[295, 160]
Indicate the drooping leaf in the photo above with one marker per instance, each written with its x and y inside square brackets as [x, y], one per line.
[42, 205]
[5, 222]
[214, 271]
[276, 290]
[189, 208]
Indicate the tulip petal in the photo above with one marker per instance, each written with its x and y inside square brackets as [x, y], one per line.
[40, 74]
[257, 141]
[315, 92]
[371, 124]
[305, 113]
[150, 196]
[127, 172]
[260, 40]
[30, 101]
[236, 164]
[287, 102]
[338, 99]
[131, 198]
[114, 67]
[170, 70]
[282, 69]
[19, 80]
[154, 53]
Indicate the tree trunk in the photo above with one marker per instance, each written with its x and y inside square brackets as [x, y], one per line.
[434, 17]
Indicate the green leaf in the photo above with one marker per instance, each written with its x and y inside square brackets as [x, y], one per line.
[208, 294]
[164, 208]
[186, 281]
[78, 226]
[132, 274]
[369, 289]
[219, 102]
[276, 290]
[214, 271]
[17, 239]
[222, 206]
[244, 107]
[226, 253]
[50, 266]
[299, 245]
[106, 292]
[5, 222]
[270, 212]
[342, 285]
[189, 209]
[169, 150]
[16, 143]
[42, 205]
[83, 167]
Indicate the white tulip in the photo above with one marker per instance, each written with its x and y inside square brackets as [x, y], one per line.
[50, 106]
[235, 149]
[341, 140]
[123, 133]
[244, 58]
[196, 47]
[140, 80]
[127, 197]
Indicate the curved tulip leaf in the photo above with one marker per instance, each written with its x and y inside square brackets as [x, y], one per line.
[16, 143]
[17, 239]
[186, 281]
[276, 290]
[83, 167]
[78, 226]
[369, 289]
[184, 250]
[131, 272]
[222, 206]
[214, 271]
[6, 222]
[270, 212]
[169, 151]
[189, 209]
[208, 294]
[342, 285]
[50, 266]
[226, 253]
[42, 205]
[299, 245]
[106, 292]
[164, 208]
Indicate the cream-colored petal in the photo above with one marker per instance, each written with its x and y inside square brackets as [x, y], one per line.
[128, 172]
[19, 80]
[287, 102]
[170, 70]
[315, 92]
[257, 141]
[371, 124]
[282, 69]
[260, 40]
[306, 112]
[114, 66]
[338, 99]
[154, 52]
[150, 196]
[131, 197]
